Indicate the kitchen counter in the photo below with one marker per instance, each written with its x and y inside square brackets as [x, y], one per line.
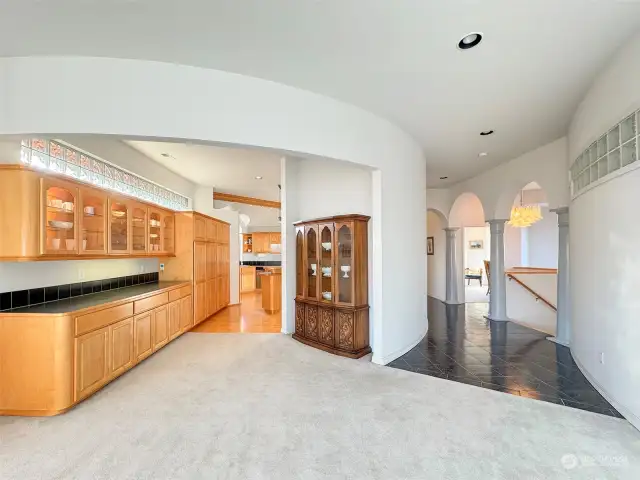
[272, 289]
[74, 305]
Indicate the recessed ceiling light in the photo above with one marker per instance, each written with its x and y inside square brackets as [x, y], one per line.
[483, 154]
[258, 177]
[486, 132]
[443, 178]
[469, 41]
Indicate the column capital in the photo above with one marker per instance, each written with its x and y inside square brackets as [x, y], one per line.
[496, 226]
[451, 229]
[497, 221]
[563, 216]
[560, 210]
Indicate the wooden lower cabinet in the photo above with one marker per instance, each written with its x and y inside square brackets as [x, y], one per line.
[186, 313]
[143, 335]
[340, 330]
[200, 303]
[121, 346]
[160, 327]
[92, 362]
[212, 298]
[175, 311]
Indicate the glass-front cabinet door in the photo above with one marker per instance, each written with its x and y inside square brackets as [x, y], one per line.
[326, 262]
[168, 232]
[311, 261]
[60, 222]
[118, 226]
[138, 228]
[344, 263]
[299, 261]
[93, 221]
[155, 233]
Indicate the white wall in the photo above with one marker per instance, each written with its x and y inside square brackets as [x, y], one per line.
[25, 275]
[543, 241]
[289, 199]
[203, 203]
[512, 246]
[436, 263]
[604, 239]
[150, 100]
[475, 258]
[522, 306]
[262, 219]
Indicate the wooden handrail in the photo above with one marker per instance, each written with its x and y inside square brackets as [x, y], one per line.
[531, 291]
[532, 271]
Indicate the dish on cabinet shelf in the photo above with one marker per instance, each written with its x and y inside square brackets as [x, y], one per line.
[326, 271]
[345, 269]
[118, 213]
[326, 246]
[326, 295]
[153, 235]
[61, 225]
[89, 210]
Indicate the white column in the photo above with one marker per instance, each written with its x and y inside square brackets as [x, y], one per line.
[498, 299]
[563, 322]
[452, 266]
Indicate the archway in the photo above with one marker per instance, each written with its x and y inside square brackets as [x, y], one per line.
[472, 247]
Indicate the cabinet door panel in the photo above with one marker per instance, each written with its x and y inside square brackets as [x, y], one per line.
[59, 231]
[311, 322]
[200, 261]
[200, 302]
[200, 227]
[93, 221]
[219, 232]
[344, 329]
[211, 298]
[211, 230]
[139, 228]
[121, 337]
[186, 313]
[92, 362]
[225, 233]
[311, 245]
[325, 325]
[160, 327]
[219, 289]
[119, 226]
[143, 335]
[211, 261]
[300, 319]
[175, 311]
[168, 232]
[220, 260]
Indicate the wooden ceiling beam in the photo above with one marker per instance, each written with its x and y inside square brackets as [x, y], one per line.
[229, 197]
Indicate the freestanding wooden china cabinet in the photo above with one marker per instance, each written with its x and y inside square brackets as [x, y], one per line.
[332, 306]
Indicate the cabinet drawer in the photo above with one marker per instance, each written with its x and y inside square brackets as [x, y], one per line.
[150, 302]
[184, 291]
[102, 318]
[179, 293]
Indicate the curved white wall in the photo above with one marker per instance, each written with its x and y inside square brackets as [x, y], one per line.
[73, 95]
[605, 258]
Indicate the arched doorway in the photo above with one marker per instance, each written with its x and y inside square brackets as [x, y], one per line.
[436, 244]
[473, 247]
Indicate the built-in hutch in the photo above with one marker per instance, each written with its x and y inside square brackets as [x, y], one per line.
[332, 309]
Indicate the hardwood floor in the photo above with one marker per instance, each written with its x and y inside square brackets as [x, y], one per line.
[248, 317]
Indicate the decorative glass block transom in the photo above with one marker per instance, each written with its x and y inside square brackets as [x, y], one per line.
[614, 150]
[61, 158]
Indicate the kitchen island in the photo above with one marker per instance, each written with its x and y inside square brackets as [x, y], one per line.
[272, 289]
[54, 355]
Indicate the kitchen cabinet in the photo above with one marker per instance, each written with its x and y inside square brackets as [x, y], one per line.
[175, 310]
[121, 346]
[60, 220]
[275, 239]
[160, 327]
[186, 313]
[92, 362]
[92, 213]
[139, 243]
[119, 234]
[247, 279]
[260, 242]
[332, 311]
[143, 335]
[200, 227]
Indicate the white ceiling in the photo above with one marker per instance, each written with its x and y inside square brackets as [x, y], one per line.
[229, 170]
[396, 58]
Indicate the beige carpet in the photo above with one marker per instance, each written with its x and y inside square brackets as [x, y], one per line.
[266, 407]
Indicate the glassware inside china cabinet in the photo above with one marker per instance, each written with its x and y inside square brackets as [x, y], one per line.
[168, 233]
[60, 224]
[344, 279]
[138, 230]
[326, 263]
[155, 224]
[299, 262]
[312, 263]
[93, 222]
[119, 221]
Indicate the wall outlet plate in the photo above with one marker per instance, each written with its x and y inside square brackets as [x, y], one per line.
[162, 267]
[602, 358]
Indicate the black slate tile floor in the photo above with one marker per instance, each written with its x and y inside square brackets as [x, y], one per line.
[463, 346]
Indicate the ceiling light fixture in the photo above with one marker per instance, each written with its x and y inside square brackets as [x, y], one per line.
[258, 177]
[470, 40]
[486, 132]
[483, 154]
[443, 178]
[523, 216]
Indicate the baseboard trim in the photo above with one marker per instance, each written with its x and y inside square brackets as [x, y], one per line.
[383, 360]
[626, 413]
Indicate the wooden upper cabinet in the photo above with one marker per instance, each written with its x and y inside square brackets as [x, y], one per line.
[92, 213]
[59, 207]
[168, 232]
[199, 227]
[275, 238]
[139, 227]
[155, 231]
[220, 233]
[311, 245]
[119, 226]
[212, 232]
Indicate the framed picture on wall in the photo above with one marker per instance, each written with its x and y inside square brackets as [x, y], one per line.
[429, 245]
[475, 244]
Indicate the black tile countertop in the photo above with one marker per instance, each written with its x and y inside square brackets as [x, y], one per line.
[88, 301]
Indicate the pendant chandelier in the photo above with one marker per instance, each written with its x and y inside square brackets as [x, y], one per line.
[523, 216]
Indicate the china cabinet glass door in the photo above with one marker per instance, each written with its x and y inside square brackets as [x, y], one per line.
[60, 221]
[311, 248]
[138, 229]
[344, 263]
[118, 227]
[168, 232]
[93, 224]
[155, 234]
[299, 261]
[326, 263]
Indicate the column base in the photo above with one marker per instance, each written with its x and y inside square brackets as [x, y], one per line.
[497, 319]
[450, 302]
[558, 341]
